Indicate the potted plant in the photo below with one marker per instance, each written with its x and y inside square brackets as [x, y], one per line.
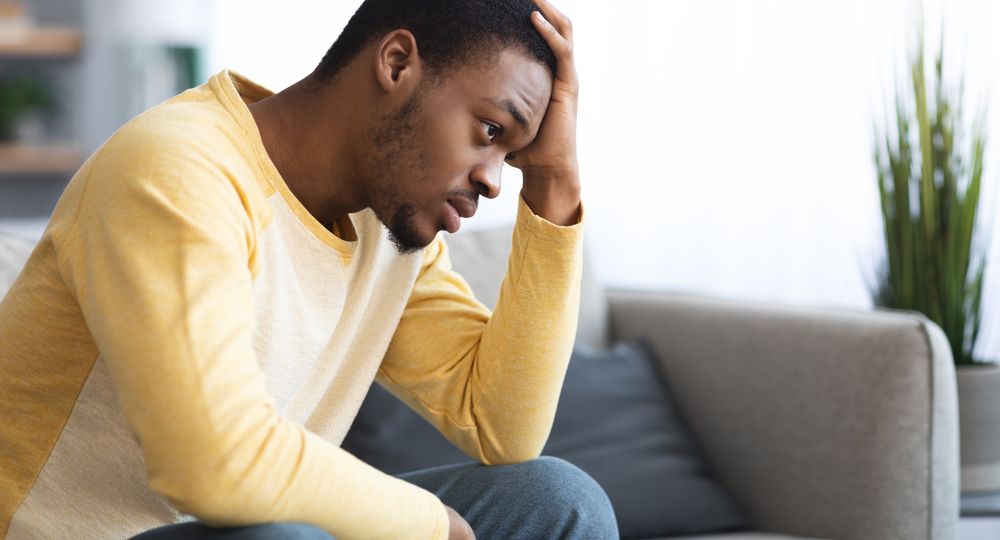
[929, 165]
[21, 95]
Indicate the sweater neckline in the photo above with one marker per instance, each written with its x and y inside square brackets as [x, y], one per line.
[236, 92]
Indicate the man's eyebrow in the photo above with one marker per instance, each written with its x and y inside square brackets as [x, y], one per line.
[509, 106]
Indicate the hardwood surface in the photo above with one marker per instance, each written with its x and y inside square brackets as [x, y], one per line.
[45, 41]
[20, 158]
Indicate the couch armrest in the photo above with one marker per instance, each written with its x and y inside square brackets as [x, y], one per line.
[822, 422]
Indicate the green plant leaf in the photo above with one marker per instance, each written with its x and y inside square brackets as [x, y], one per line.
[929, 245]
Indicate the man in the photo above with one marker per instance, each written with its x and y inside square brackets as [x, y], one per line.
[222, 281]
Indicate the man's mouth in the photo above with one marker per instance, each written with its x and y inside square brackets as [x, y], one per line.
[455, 208]
[465, 207]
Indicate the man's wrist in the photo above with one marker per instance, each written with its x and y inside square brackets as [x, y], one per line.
[553, 194]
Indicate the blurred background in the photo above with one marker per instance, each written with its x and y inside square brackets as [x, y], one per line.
[726, 146]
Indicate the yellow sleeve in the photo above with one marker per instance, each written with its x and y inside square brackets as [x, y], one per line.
[158, 259]
[491, 383]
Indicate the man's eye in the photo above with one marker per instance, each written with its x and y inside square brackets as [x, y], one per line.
[492, 131]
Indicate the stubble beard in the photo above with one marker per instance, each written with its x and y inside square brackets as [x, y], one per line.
[392, 158]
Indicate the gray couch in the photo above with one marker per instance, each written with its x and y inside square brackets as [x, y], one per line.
[823, 423]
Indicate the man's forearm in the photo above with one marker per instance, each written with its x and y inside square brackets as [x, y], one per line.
[526, 346]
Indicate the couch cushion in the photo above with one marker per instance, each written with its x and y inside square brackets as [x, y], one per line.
[14, 252]
[481, 258]
[614, 421]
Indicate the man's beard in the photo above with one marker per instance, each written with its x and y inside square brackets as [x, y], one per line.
[394, 156]
[403, 230]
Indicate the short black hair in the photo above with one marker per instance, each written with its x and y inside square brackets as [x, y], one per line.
[448, 32]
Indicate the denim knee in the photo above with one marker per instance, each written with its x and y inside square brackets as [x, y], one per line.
[562, 485]
[285, 531]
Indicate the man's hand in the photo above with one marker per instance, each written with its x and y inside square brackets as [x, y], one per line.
[459, 529]
[551, 174]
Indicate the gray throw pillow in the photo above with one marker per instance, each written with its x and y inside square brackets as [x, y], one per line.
[615, 420]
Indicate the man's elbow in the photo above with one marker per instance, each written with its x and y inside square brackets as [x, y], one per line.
[511, 455]
[209, 495]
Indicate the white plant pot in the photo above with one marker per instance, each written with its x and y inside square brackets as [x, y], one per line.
[979, 426]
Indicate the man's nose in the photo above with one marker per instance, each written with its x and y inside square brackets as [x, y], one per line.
[486, 179]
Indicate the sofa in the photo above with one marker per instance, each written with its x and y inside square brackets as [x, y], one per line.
[822, 423]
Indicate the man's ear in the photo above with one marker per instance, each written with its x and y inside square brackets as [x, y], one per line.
[397, 62]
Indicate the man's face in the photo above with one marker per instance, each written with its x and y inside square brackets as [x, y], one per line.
[434, 156]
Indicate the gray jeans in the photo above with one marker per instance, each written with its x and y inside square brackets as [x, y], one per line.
[539, 499]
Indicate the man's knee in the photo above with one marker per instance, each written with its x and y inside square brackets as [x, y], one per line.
[564, 476]
[551, 469]
[561, 485]
[286, 531]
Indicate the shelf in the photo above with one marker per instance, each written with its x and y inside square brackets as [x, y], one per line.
[42, 42]
[48, 159]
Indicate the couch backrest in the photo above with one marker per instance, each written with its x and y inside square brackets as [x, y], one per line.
[481, 258]
[14, 252]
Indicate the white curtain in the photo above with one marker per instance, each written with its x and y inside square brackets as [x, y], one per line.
[725, 145]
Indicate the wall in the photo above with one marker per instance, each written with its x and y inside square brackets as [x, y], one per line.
[725, 145]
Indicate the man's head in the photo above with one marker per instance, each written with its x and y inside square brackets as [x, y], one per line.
[459, 84]
[451, 33]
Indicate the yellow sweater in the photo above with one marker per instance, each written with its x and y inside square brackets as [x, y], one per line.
[187, 340]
